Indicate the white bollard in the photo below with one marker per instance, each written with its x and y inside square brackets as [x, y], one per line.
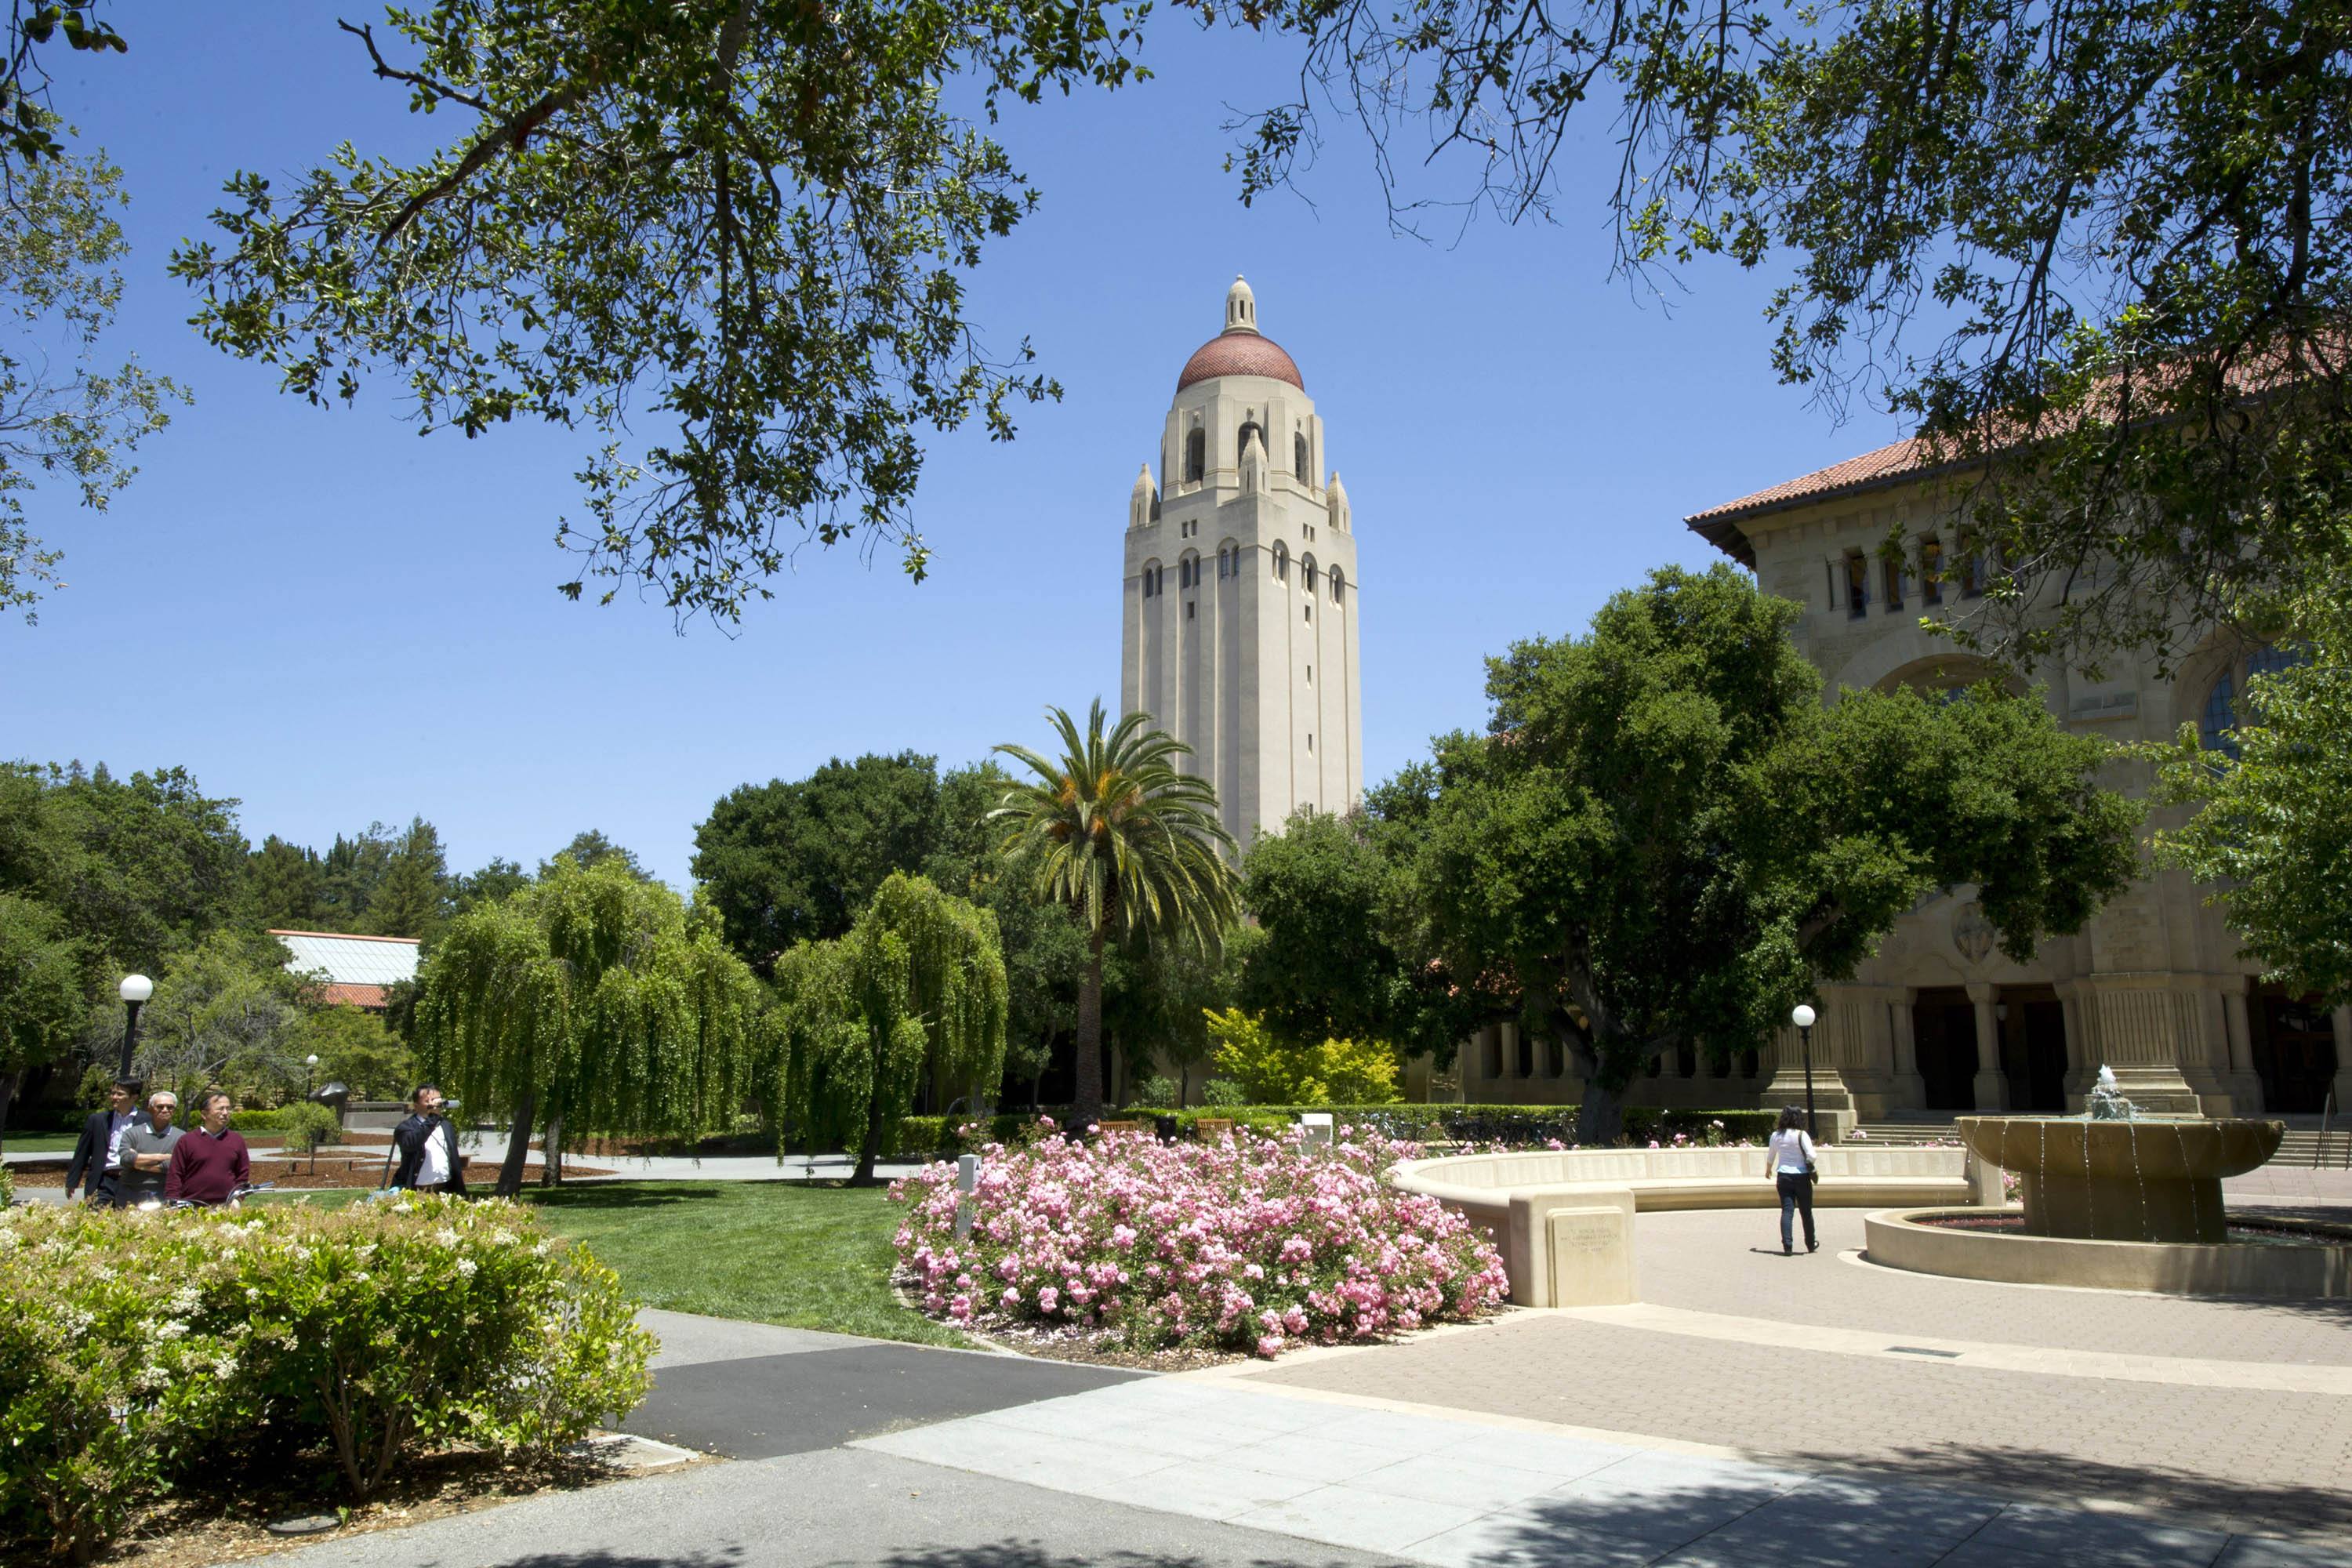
[1317, 1126]
[967, 1183]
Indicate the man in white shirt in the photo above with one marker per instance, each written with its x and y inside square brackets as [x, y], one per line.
[1789, 1164]
[427, 1145]
[99, 1148]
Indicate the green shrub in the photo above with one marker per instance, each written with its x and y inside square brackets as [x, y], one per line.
[247, 1120]
[1155, 1091]
[921, 1137]
[309, 1126]
[7, 1188]
[1222, 1092]
[133, 1347]
[1275, 1071]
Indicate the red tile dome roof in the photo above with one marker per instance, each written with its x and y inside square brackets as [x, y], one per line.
[1239, 353]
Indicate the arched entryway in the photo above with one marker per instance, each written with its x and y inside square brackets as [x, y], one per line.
[2032, 1024]
[2028, 1034]
[2294, 1051]
[1944, 1035]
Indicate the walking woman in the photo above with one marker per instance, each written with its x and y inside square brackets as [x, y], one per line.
[1788, 1161]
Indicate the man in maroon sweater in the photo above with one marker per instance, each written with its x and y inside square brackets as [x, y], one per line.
[210, 1164]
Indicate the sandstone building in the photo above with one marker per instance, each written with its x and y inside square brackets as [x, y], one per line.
[1240, 586]
[1940, 1020]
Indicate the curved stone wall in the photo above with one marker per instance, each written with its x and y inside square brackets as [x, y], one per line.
[1552, 1212]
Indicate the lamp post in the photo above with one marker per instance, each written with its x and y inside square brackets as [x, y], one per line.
[134, 990]
[310, 1070]
[1802, 1016]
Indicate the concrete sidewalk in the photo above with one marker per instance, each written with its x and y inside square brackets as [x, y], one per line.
[865, 1455]
[488, 1149]
[1448, 1490]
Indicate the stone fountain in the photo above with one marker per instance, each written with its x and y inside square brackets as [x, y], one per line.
[2118, 1200]
[2123, 1180]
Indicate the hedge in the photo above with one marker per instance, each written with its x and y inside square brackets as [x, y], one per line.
[925, 1135]
[141, 1349]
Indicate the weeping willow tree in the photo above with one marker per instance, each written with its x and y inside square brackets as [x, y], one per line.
[590, 1004]
[916, 990]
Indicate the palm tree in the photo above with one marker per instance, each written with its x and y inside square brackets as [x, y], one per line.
[1128, 844]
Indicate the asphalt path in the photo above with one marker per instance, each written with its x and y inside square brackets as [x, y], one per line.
[788, 1391]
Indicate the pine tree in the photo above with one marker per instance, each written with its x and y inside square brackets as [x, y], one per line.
[413, 896]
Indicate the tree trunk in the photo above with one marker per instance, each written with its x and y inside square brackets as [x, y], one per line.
[551, 1151]
[517, 1149]
[1601, 1118]
[8, 1094]
[869, 1152]
[1086, 1092]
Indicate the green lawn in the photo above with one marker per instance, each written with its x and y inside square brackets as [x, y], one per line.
[769, 1252]
[773, 1252]
[41, 1142]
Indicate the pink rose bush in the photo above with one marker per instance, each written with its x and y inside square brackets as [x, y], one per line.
[1250, 1243]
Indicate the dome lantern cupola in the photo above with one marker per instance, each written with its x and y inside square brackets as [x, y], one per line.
[1240, 307]
[1241, 349]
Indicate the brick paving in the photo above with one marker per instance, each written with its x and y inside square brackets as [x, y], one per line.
[1703, 1260]
[2214, 1458]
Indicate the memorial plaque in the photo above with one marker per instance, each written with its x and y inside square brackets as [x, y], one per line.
[1592, 1256]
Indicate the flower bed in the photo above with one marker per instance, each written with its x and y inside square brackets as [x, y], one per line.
[1249, 1243]
[138, 1349]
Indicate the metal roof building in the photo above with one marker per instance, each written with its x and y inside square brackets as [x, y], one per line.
[356, 969]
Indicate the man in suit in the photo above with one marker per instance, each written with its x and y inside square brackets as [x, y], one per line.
[427, 1146]
[99, 1150]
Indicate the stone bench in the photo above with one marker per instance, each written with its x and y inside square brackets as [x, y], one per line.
[1563, 1219]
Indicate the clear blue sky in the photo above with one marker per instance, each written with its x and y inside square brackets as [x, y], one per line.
[336, 621]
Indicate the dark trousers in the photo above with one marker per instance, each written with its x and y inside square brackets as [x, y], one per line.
[1796, 1198]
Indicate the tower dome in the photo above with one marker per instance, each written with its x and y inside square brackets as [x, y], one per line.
[1241, 349]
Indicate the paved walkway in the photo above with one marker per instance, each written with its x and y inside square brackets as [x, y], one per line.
[1510, 1445]
[1452, 1490]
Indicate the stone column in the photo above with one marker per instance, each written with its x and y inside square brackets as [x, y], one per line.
[1506, 1039]
[1833, 1100]
[1910, 1088]
[2243, 1085]
[1992, 1086]
[2145, 1028]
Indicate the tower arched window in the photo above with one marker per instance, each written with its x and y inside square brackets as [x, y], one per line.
[1241, 442]
[1298, 457]
[1281, 563]
[1196, 454]
[2219, 715]
[1339, 586]
[1307, 571]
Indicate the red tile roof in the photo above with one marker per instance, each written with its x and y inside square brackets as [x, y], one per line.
[352, 996]
[1910, 459]
[2252, 374]
[1239, 353]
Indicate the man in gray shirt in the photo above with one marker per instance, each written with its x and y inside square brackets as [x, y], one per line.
[146, 1151]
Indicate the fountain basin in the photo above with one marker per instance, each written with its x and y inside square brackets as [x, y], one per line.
[2138, 1181]
[1946, 1242]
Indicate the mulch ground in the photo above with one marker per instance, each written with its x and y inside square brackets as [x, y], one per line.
[196, 1529]
[1086, 1347]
